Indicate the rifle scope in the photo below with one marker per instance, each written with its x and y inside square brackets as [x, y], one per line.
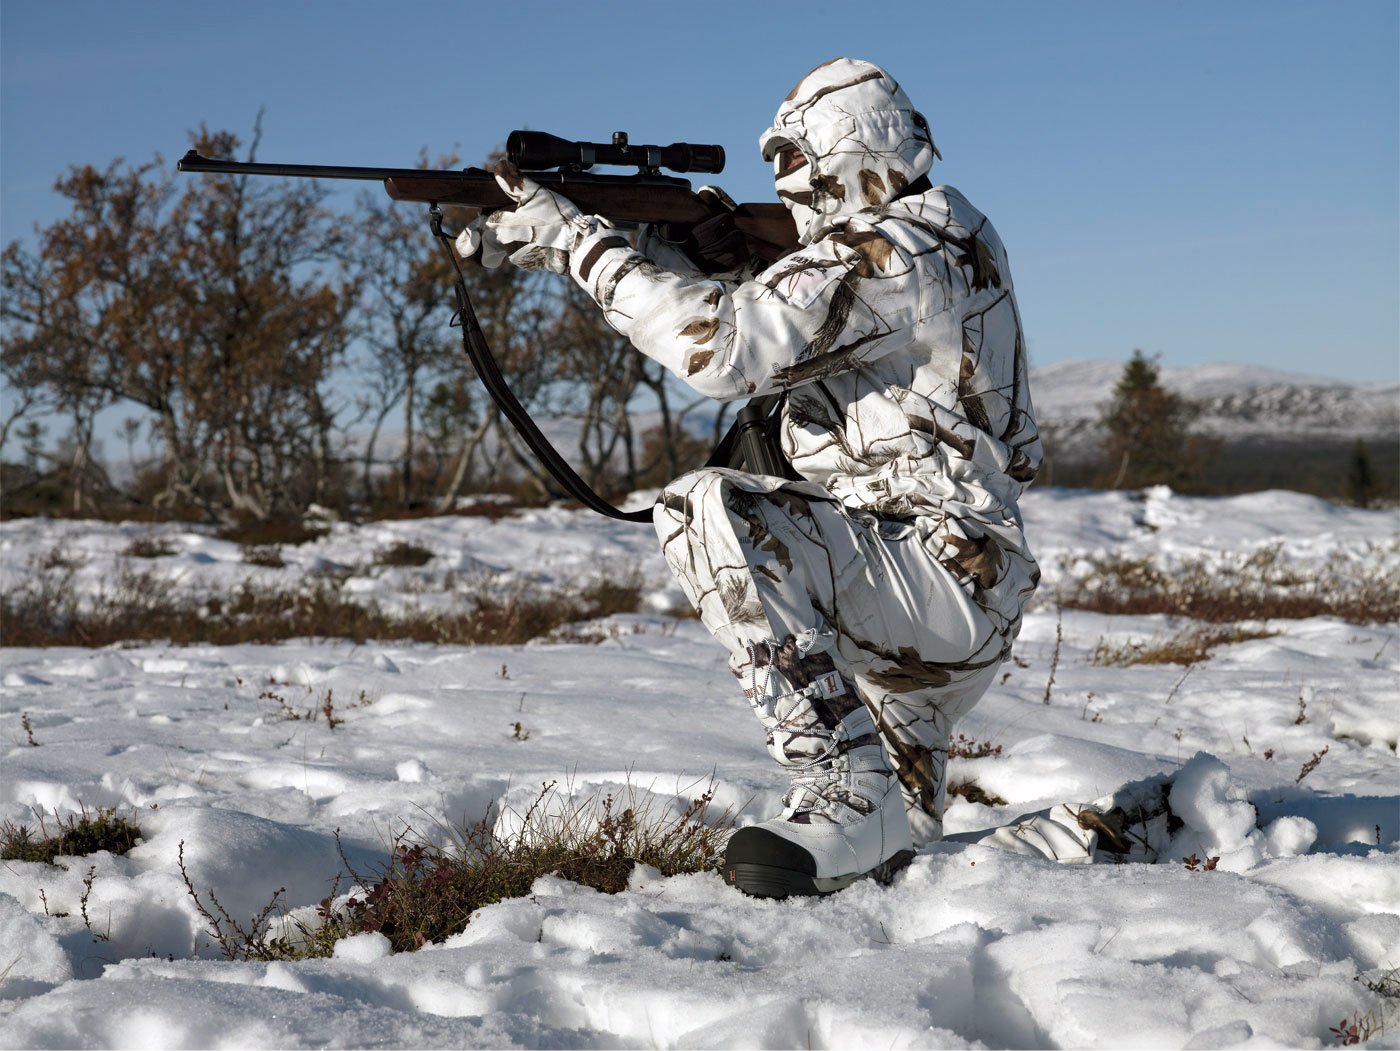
[537, 150]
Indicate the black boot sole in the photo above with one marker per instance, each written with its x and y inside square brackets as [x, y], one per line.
[764, 865]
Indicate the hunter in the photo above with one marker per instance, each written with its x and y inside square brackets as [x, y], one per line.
[868, 597]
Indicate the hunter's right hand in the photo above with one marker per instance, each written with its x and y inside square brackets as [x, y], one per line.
[538, 234]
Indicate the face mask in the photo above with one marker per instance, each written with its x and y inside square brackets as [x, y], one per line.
[792, 178]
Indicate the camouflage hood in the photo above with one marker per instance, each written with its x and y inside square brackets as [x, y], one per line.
[863, 140]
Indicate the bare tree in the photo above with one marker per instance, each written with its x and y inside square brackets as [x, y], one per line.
[209, 308]
[403, 313]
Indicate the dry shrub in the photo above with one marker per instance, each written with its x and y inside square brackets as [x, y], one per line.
[136, 606]
[57, 557]
[269, 556]
[1187, 647]
[149, 547]
[403, 554]
[975, 793]
[265, 534]
[1266, 585]
[427, 892]
[71, 836]
[492, 506]
[963, 747]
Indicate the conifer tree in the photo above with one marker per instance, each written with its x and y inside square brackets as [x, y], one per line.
[1362, 478]
[1149, 439]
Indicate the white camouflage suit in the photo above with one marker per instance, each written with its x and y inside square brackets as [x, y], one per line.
[895, 336]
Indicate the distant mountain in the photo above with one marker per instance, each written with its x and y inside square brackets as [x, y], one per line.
[1239, 402]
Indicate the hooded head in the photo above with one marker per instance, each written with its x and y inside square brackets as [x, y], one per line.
[844, 140]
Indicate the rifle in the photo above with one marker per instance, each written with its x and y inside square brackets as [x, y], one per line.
[562, 165]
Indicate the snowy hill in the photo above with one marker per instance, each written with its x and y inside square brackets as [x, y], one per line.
[969, 947]
[1238, 402]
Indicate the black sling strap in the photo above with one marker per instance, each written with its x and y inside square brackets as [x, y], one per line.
[728, 453]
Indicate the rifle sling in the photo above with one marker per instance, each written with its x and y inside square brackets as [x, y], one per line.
[474, 342]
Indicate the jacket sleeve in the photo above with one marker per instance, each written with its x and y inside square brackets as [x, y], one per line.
[845, 300]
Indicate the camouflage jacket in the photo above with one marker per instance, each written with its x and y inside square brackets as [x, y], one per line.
[894, 332]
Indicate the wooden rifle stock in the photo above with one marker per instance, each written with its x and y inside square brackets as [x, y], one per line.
[660, 199]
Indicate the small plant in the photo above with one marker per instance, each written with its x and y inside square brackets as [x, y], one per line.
[1388, 984]
[1189, 647]
[1347, 1033]
[403, 554]
[962, 747]
[263, 534]
[328, 710]
[149, 547]
[520, 733]
[975, 793]
[425, 892]
[28, 729]
[268, 555]
[57, 558]
[1379, 1020]
[73, 836]
[1055, 656]
[322, 704]
[88, 880]
[1311, 764]
[1195, 864]
[238, 941]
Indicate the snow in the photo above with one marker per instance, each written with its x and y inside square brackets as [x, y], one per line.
[969, 947]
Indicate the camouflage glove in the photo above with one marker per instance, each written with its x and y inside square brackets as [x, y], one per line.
[714, 245]
[538, 234]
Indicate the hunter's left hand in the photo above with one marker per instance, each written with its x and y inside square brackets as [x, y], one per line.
[538, 234]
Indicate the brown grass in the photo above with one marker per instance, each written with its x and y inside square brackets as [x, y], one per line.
[1265, 586]
[403, 554]
[264, 534]
[149, 547]
[425, 892]
[975, 793]
[142, 607]
[1188, 647]
[963, 747]
[73, 836]
[269, 555]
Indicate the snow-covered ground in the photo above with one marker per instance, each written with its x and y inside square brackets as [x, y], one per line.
[969, 947]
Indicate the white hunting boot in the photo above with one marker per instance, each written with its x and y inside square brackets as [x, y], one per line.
[843, 818]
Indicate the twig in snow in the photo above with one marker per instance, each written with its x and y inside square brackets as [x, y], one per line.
[1189, 669]
[1311, 764]
[1055, 655]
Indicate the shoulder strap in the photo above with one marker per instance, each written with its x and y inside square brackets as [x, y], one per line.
[727, 453]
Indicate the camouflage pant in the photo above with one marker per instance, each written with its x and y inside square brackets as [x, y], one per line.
[761, 559]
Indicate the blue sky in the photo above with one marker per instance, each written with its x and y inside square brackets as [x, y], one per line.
[1207, 181]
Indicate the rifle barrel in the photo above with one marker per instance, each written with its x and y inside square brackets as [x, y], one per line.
[193, 161]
